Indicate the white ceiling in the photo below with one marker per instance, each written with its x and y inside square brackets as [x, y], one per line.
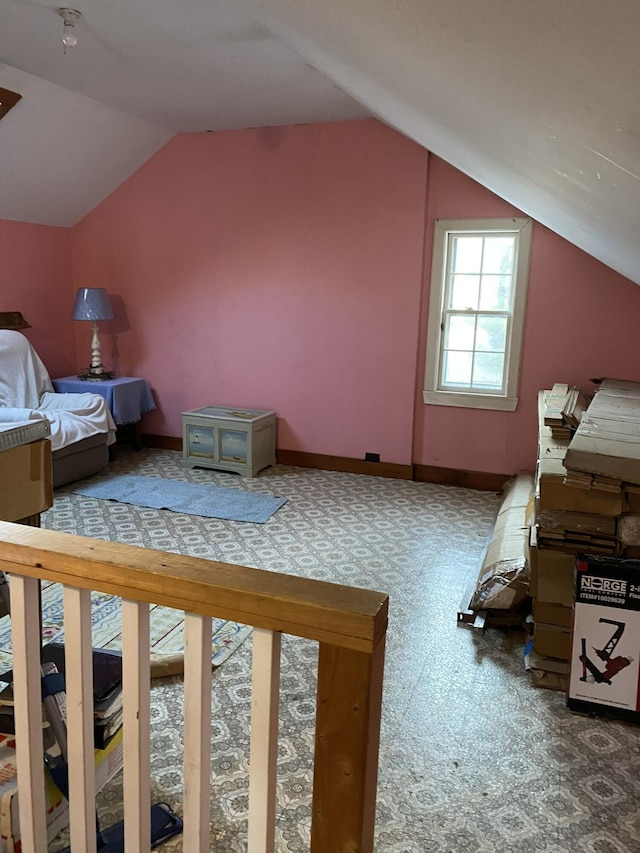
[536, 100]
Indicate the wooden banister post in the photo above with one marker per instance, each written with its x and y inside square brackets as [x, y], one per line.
[346, 749]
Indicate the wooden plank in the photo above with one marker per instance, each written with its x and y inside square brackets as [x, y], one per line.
[265, 697]
[346, 749]
[26, 641]
[324, 462]
[136, 722]
[79, 688]
[478, 480]
[197, 732]
[555, 403]
[339, 615]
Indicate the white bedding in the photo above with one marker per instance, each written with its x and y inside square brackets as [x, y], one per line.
[26, 393]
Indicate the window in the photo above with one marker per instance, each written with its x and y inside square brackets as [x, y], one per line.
[476, 312]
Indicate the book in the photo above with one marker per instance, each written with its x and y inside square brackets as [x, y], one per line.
[105, 730]
[107, 675]
[107, 692]
[7, 711]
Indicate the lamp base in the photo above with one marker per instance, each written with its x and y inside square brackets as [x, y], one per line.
[95, 373]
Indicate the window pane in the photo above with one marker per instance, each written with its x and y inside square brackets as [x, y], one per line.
[498, 255]
[495, 293]
[459, 331]
[464, 291]
[492, 334]
[466, 255]
[457, 368]
[488, 368]
[476, 312]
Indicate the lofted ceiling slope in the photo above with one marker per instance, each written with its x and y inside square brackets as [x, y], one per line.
[537, 101]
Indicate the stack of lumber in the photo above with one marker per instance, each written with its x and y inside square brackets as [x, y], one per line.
[606, 445]
[563, 410]
[587, 502]
[571, 515]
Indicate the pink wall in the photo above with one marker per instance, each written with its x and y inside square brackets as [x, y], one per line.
[272, 268]
[288, 268]
[581, 323]
[36, 280]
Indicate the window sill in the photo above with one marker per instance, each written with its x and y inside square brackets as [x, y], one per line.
[470, 401]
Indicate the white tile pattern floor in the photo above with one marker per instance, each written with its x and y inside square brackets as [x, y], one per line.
[473, 756]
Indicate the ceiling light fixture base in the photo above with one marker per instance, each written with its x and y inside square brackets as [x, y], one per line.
[69, 16]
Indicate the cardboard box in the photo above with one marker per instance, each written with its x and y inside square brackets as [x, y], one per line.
[57, 806]
[531, 552]
[578, 532]
[25, 480]
[550, 680]
[629, 529]
[547, 664]
[583, 522]
[607, 441]
[107, 763]
[631, 497]
[552, 493]
[553, 641]
[605, 651]
[547, 672]
[503, 579]
[552, 613]
[553, 574]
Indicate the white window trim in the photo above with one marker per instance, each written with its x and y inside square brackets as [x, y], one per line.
[480, 400]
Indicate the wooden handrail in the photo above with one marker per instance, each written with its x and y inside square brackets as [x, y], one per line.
[349, 623]
[331, 613]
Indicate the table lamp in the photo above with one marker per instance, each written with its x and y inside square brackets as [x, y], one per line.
[92, 303]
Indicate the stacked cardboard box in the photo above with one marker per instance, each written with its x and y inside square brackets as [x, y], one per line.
[568, 520]
[587, 501]
[563, 410]
[607, 442]
[571, 517]
[551, 588]
[604, 456]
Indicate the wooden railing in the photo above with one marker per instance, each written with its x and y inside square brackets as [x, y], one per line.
[348, 623]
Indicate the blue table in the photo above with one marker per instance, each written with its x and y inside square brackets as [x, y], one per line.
[128, 397]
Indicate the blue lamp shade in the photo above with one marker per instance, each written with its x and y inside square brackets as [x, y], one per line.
[92, 303]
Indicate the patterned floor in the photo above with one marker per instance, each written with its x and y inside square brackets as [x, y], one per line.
[473, 756]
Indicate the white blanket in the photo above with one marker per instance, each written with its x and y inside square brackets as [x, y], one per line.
[26, 393]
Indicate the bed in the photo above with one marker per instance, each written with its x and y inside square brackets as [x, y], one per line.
[81, 427]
